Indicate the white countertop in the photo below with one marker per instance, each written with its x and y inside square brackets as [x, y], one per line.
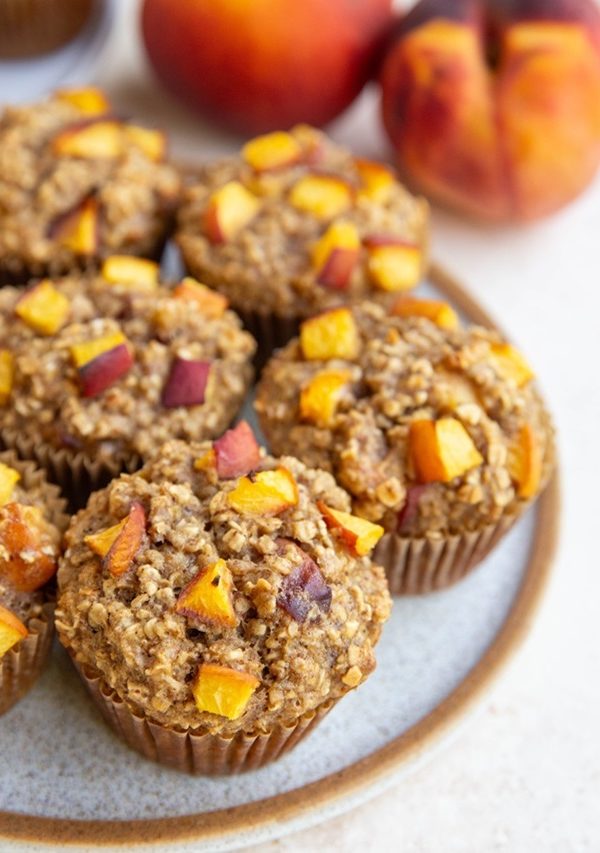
[524, 774]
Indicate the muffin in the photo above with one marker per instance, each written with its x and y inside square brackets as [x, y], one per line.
[97, 372]
[31, 522]
[212, 613]
[78, 184]
[436, 431]
[33, 27]
[296, 225]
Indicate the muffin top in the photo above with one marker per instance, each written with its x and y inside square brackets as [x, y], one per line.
[432, 428]
[78, 183]
[296, 224]
[31, 520]
[115, 363]
[226, 603]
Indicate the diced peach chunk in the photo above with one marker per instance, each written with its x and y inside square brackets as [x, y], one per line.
[335, 255]
[525, 462]
[8, 480]
[90, 101]
[7, 370]
[101, 362]
[121, 553]
[320, 397]
[332, 334]
[137, 273]
[207, 461]
[393, 264]
[186, 383]
[358, 535]
[208, 598]
[272, 151]
[94, 140]
[223, 691]
[377, 180]
[322, 196]
[77, 230]
[210, 302]
[44, 308]
[229, 210]
[264, 493]
[152, 143]
[236, 452]
[441, 450]
[439, 313]
[102, 541]
[510, 364]
[28, 547]
[12, 630]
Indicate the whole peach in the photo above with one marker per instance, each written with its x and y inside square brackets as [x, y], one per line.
[493, 106]
[264, 64]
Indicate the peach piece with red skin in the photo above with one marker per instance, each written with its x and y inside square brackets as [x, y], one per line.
[512, 141]
[236, 452]
[186, 383]
[101, 362]
[228, 211]
[78, 229]
[121, 554]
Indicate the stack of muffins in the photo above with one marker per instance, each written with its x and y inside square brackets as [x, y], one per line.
[218, 600]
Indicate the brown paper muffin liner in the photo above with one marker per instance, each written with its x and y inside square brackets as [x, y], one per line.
[195, 752]
[21, 666]
[34, 27]
[419, 566]
[77, 473]
[270, 331]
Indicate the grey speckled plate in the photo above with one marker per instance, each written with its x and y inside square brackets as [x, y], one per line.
[65, 779]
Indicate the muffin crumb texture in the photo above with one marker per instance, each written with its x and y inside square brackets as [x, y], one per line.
[239, 610]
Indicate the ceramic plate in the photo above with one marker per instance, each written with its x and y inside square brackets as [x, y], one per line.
[66, 779]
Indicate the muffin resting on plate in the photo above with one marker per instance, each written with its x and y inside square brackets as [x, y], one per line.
[210, 609]
[77, 184]
[435, 430]
[31, 520]
[296, 224]
[96, 373]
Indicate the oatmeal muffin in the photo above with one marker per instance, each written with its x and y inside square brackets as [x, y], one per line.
[33, 27]
[78, 184]
[435, 430]
[31, 522]
[97, 372]
[296, 225]
[213, 610]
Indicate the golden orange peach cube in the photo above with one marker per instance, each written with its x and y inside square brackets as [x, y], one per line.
[320, 397]
[83, 353]
[441, 450]
[264, 493]
[78, 229]
[510, 364]
[96, 140]
[223, 691]
[272, 151]
[152, 143]
[525, 462]
[208, 598]
[439, 313]
[138, 273]
[8, 480]
[359, 535]
[7, 370]
[12, 630]
[332, 334]
[229, 210]
[90, 101]
[101, 542]
[377, 180]
[43, 308]
[325, 197]
[210, 302]
[335, 254]
[394, 266]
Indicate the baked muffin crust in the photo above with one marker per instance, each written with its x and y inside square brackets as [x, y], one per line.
[128, 629]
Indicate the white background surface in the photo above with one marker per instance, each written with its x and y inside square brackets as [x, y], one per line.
[525, 774]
